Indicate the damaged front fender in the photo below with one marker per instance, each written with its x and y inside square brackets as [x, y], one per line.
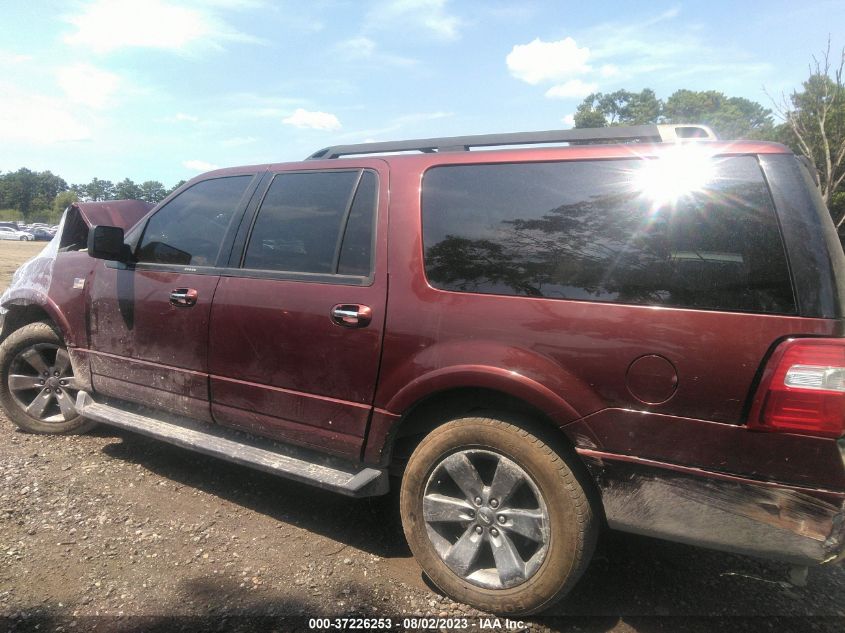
[29, 293]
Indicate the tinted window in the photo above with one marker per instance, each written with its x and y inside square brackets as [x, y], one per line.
[356, 250]
[628, 231]
[189, 229]
[303, 218]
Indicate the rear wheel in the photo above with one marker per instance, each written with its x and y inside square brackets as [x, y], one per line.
[495, 516]
[37, 386]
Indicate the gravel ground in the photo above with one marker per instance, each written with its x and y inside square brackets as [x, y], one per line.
[118, 525]
[116, 532]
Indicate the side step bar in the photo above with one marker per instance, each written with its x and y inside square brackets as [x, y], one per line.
[286, 461]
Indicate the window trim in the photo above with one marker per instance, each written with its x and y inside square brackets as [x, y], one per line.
[236, 261]
[764, 181]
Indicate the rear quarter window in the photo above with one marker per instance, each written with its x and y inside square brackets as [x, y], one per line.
[618, 231]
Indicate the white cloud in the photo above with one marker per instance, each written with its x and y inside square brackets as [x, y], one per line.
[609, 70]
[363, 48]
[107, 25]
[569, 120]
[87, 85]
[542, 61]
[394, 125]
[314, 120]
[199, 165]
[32, 118]
[428, 15]
[358, 46]
[572, 89]
[181, 116]
[650, 47]
[9, 58]
[238, 141]
[658, 49]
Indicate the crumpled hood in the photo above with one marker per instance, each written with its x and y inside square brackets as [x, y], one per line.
[122, 213]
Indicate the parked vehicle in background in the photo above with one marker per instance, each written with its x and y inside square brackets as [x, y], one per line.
[9, 225]
[42, 234]
[7, 233]
[637, 331]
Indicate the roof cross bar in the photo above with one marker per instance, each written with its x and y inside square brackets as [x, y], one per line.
[641, 133]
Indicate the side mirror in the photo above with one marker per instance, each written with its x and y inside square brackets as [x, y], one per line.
[106, 242]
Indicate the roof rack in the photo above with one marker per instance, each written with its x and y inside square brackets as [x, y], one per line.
[639, 133]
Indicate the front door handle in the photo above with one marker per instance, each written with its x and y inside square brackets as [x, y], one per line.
[352, 315]
[184, 297]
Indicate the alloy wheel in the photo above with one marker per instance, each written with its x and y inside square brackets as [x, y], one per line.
[42, 383]
[486, 518]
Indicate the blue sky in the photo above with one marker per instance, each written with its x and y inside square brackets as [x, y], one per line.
[165, 89]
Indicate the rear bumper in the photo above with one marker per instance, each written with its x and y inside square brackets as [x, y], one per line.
[798, 525]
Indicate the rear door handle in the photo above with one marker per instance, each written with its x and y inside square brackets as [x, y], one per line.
[352, 315]
[184, 297]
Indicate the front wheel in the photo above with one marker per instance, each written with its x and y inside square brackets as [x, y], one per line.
[495, 516]
[37, 386]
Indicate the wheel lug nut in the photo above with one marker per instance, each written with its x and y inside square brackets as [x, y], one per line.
[502, 519]
[478, 529]
[55, 373]
[494, 532]
[478, 501]
[471, 514]
[494, 503]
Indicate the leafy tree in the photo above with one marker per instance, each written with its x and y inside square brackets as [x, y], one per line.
[29, 191]
[63, 200]
[815, 123]
[618, 108]
[152, 191]
[126, 189]
[175, 187]
[97, 190]
[730, 117]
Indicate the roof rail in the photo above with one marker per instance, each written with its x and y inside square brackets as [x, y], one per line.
[640, 133]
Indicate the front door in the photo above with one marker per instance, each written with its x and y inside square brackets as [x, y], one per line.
[149, 321]
[297, 323]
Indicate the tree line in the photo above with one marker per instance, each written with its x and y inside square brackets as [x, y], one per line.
[42, 194]
[813, 119]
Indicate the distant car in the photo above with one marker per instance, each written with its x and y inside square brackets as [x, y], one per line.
[42, 234]
[7, 233]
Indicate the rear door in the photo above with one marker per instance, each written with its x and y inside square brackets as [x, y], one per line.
[149, 321]
[297, 322]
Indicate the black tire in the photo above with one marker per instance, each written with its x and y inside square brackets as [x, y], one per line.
[22, 238]
[570, 530]
[39, 340]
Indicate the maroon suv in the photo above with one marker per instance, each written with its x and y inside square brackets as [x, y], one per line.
[639, 329]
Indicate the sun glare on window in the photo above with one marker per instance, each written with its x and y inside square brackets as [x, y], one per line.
[679, 172]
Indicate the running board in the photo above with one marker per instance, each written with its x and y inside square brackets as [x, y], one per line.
[286, 461]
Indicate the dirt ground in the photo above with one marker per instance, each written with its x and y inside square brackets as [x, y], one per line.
[12, 255]
[112, 531]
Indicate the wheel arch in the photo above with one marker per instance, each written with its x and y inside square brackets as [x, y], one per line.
[439, 407]
[20, 314]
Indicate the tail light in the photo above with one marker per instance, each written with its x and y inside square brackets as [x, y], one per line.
[803, 389]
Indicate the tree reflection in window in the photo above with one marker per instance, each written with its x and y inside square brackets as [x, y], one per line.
[581, 230]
